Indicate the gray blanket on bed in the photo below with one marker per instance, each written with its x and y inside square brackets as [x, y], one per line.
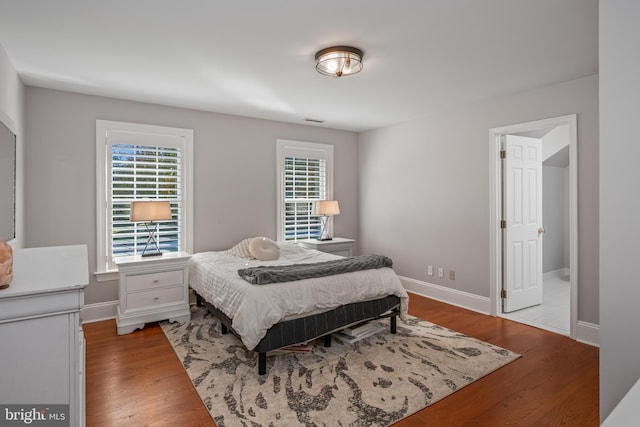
[287, 273]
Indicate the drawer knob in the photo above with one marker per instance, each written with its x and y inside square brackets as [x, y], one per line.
[156, 298]
[156, 281]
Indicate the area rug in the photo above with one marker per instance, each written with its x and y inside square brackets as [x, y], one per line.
[373, 382]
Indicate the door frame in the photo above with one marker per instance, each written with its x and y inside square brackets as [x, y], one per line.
[496, 210]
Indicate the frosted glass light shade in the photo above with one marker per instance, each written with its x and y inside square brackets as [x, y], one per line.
[338, 61]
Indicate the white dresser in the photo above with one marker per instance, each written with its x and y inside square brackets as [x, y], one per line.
[152, 289]
[42, 353]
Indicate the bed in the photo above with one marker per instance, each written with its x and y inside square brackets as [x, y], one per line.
[271, 316]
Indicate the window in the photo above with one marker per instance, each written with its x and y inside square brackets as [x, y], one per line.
[305, 174]
[141, 162]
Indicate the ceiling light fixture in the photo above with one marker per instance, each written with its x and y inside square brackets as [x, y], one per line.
[338, 61]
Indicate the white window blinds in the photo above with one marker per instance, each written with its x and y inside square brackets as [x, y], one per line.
[304, 183]
[143, 172]
[305, 173]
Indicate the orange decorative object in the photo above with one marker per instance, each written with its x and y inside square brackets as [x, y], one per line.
[6, 265]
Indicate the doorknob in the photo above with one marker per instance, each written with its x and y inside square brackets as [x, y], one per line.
[540, 230]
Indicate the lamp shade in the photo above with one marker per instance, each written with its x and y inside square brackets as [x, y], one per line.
[154, 210]
[327, 207]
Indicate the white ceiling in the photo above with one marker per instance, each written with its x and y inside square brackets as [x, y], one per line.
[255, 58]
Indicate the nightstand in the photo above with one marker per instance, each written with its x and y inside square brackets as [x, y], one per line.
[152, 289]
[336, 246]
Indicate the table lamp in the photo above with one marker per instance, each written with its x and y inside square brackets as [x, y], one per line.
[150, 212]
[325, 209]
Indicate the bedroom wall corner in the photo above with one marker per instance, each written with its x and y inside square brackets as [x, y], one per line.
[425, 188]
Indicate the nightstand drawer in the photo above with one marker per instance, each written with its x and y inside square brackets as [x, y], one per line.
[341, 252]
[141, 282]
[155, 297]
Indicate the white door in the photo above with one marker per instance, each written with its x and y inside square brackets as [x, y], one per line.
[522, 237]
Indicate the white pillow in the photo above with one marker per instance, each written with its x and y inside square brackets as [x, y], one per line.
[264, 249]
[241, 249]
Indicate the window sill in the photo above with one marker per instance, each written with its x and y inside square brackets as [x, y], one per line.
[106, 276]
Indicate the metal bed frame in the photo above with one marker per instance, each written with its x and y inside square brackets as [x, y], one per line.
[320, 325]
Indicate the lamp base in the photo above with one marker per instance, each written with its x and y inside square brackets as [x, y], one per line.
[151, 239]
[323, 239]
[146, 254]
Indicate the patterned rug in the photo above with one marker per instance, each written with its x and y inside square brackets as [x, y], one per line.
[373, 382]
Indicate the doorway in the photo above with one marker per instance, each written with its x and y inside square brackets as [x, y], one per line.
[534, 278]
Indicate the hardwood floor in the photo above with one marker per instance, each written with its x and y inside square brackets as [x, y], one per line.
[137, 380]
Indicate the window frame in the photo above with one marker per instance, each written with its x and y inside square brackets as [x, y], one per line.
[106, 132]
[312, 150]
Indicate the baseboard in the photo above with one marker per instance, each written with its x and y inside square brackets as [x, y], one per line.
[98, 311]
[447, 295]
[588, 333]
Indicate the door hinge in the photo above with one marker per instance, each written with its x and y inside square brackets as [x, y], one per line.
[503, 294]
[503, 154]
[503, 223]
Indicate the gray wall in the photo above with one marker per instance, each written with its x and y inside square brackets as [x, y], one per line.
[425, 187]
[234, 172]
[12, 111]
[554, 217]
[619, 200]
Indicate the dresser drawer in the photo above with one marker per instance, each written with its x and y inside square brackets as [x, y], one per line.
[141, 282]
[154, 297]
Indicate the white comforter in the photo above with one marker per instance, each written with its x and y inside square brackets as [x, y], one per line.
[255, 308]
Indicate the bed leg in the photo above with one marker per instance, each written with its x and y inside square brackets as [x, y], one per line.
[393, 320]
[224, 329]
[199, 300]
[327, 340]
[262, 363]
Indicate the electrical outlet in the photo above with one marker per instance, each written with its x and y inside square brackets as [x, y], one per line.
[452, 275]
[440, 272]
[430, 270]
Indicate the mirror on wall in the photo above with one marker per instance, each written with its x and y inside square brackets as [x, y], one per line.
[7, 182]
